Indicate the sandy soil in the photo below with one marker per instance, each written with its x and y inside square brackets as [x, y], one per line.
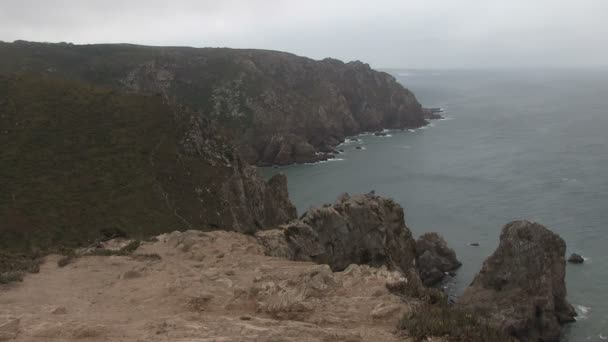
[215, 286]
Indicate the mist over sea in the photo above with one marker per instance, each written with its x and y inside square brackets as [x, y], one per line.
[515, 144]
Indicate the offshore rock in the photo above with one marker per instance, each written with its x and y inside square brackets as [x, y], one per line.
[521, 288]
[434, 258]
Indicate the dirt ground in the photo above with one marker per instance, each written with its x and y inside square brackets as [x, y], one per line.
[205, 287]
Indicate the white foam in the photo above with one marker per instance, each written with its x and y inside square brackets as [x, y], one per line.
[411, 130]
[602, 337]
[582, 311]
[385, 136]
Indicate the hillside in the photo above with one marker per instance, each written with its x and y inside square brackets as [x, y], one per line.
[79, 162]
[278, 108]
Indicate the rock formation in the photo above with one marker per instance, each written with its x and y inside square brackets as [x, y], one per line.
[434, 258]
[278, 108]
[360, 229]
[521, 287]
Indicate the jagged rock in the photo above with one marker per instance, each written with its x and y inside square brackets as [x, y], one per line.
[255, 204]
[576, 259]
[434, 258]
[359, 229]
[521, 288]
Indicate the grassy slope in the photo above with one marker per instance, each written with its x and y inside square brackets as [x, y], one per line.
[77, 159]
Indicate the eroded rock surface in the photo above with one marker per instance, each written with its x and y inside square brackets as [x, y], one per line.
[521, 287]
[358, 229]
[434, 258]
[216, 286]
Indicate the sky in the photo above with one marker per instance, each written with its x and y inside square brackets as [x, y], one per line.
[385, 33]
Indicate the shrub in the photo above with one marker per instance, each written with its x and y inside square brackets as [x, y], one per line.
[449, 322]
[9, 277]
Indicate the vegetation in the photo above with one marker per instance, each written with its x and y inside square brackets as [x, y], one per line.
[79, 163]
[450, 323]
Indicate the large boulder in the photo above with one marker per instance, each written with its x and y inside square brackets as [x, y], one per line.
[361, 229]
[434, 258]
[520, 288]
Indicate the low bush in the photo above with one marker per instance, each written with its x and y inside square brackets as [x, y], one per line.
[450, 323]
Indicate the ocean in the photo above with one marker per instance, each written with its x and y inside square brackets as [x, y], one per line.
[514, 144]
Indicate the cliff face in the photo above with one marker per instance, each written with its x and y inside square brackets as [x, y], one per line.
[277, 107]
[78, 160]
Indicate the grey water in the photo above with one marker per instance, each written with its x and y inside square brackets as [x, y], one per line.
[524, 144]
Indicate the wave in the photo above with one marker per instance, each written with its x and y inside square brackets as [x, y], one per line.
[602, 337]
[582, 311]
[411, 130]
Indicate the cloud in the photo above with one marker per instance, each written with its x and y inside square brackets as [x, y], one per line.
[390, 33]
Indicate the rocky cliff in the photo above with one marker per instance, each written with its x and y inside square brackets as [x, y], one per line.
[277, 107]
[79, 160]
[521, 287]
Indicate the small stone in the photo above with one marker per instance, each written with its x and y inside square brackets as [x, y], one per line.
[132, 274]
[384, 311]
[575, 259]
[60, 310]
[474, 244]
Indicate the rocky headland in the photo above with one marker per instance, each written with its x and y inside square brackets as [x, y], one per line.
[277, 107]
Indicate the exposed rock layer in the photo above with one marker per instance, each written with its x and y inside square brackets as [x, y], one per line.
[279, 108]
[521, 287]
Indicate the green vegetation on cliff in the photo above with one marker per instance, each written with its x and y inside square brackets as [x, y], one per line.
[78, 160]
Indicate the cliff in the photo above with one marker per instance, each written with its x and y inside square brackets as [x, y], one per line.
[81, 162]
[278, 108]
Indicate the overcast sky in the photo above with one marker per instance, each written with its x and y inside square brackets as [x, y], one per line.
[399, 33]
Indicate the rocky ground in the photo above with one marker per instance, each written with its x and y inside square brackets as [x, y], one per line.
[216, 286]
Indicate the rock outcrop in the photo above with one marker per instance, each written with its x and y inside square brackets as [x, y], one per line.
[434, 258]
[279, 108]
[521, 287]
[360, 229]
